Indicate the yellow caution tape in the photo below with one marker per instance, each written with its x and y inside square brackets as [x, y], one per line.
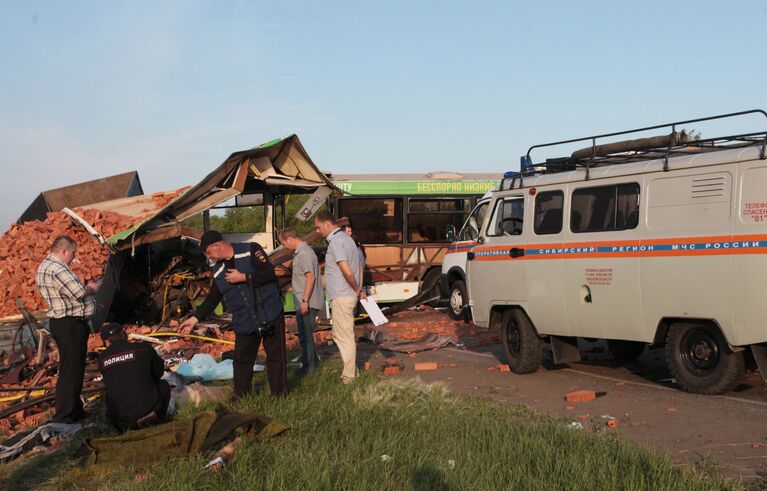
[34, 393]
[192, 336]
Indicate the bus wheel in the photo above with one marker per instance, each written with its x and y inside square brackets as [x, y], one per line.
[431, 281]
[457, 300]
[521, 344]
[700, 359]
[625, 351]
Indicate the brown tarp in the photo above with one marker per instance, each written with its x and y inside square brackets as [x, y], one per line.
[209, 430]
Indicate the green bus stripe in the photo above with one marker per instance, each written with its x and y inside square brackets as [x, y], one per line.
[416, 187]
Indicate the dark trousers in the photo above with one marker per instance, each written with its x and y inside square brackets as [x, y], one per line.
[305, 327]
[71, 336]
[161, 410]
[245, 351]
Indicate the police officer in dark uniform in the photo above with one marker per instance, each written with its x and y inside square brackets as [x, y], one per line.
[132, 372]
[245, 279]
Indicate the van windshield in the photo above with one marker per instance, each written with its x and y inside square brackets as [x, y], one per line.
[507, 218]
[471, 229]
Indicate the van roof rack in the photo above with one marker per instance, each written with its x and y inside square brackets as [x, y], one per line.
[672, 144]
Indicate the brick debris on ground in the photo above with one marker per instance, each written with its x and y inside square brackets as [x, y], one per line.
[415, 323]
[173, 349]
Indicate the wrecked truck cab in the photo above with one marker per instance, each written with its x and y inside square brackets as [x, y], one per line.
[265, 176]
[148, 257]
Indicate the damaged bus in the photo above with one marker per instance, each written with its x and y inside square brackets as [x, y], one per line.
[402, 220]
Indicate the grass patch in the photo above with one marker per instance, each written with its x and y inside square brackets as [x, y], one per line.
[381, 434]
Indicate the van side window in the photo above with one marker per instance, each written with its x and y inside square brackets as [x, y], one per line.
[605, 208]
[471, 230]
[548, 212]
[507, 217]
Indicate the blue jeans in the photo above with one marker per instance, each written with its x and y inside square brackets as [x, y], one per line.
[305, 324]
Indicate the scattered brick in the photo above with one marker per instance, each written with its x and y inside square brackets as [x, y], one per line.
[581, 396]
[504, 368]
[391, 370]
[367, 366]
[426, 365]
[612, 423]
[569, 408]
[582, 417]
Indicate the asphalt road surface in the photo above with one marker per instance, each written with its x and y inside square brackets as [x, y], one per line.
[652, 411]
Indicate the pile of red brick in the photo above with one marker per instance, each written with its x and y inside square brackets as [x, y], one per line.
[23, 246]
[421, 322]
[162, 198]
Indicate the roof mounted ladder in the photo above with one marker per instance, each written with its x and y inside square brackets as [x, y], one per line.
[665, 143]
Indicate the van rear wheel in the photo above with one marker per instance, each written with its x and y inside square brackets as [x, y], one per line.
[457, 299]
[521, 344]
[700, 359]
[625, 351]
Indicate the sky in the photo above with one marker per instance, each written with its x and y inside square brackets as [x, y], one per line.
[170, 89]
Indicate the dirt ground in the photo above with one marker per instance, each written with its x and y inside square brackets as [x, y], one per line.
[728, 429]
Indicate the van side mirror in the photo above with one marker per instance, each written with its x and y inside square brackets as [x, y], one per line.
[451, 233]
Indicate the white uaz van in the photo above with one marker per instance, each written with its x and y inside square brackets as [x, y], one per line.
[656, 241]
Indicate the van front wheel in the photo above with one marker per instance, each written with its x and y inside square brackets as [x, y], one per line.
[700, 359]
[521, 344]
[457, 300]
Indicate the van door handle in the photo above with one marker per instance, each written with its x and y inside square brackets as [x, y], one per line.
[516, 252]
[470, 256]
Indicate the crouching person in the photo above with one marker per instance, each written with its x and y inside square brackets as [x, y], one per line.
[135, 394]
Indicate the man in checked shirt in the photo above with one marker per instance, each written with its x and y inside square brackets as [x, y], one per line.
[70, 305]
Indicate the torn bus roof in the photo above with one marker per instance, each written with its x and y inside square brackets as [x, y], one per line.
[279, 166]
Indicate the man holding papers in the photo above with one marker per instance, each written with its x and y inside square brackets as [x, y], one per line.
[344, 287]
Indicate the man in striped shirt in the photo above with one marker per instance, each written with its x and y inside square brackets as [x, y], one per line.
[344, 286]
[70, 305]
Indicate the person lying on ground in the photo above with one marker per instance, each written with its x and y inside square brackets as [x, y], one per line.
[136, 395]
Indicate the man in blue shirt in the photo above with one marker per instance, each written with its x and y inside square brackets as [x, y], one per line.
[344, 286]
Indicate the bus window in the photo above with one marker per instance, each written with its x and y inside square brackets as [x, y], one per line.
[374, 220]
[427, 219]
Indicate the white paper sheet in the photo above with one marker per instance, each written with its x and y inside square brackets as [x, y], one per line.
[371, 307]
